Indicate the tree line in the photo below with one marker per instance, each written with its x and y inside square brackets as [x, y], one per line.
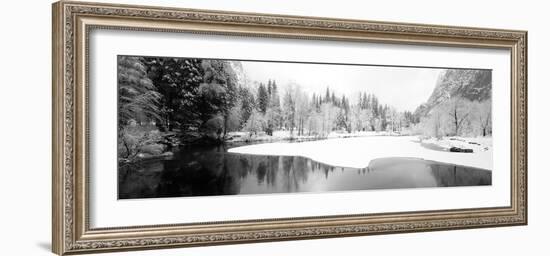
[205, 99]
[208, 98]
[192, 96]
[458, 116]
[320, 114]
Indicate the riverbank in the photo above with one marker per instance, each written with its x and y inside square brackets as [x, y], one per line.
[283, 136]
[357, 152]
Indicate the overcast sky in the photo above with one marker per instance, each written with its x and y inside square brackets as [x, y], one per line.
[400, 87]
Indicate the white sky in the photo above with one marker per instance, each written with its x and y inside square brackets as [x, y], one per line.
[401, 87]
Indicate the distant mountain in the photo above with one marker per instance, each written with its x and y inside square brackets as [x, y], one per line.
[239, 72]
[466, 83]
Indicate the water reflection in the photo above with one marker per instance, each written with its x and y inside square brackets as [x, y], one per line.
[204, 171]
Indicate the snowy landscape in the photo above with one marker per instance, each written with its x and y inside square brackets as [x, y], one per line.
[197, 127]
[325, 151]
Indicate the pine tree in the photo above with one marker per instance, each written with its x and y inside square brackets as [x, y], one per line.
[138, 99]
[218, 96]
[273, 85]
[288, 110]
[273, 111]
[247, 104]
[269, 88]
[263, 98]
[178, 81]
[374, 106]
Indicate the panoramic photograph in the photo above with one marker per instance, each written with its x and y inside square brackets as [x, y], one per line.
[214, 127]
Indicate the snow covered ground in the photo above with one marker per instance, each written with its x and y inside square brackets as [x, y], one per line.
[263, 137]
[287, 135]
[357, 152]
[476, 144]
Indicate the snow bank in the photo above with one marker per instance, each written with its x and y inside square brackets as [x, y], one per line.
[476, 144]
[263, 137]
[357, 152]
[286, 136]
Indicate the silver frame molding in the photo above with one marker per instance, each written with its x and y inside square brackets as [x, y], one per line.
[72, 22]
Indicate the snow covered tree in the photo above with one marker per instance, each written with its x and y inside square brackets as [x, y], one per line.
[393, 118]
[314, 124]
[356, 121]
[263, 98]
[255, 123]
[301, 108]
[457, 109]
[234, 118]
[343, 118]
[435, 124]
[218, 92]
[327, 96]
[483, 116]
[247, 103]
[289, 109]
[328, 114]
[273, 112]
[138, 98]
[178, 81]
[138, 108]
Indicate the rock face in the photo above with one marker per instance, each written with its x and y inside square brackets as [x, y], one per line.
[471, 84]
[238, 69]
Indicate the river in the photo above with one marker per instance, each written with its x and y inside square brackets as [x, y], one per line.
[212, 171]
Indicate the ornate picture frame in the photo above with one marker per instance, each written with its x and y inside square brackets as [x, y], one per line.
[72, 23]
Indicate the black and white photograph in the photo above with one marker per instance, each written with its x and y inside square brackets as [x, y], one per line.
[205, 127]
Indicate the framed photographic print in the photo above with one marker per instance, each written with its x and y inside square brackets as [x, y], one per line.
[179, 127]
